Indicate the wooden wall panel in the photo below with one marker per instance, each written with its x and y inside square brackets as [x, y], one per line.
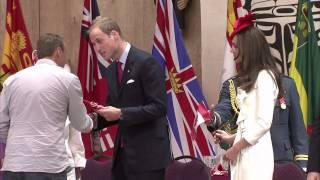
[63, 18]
[135, 17]
[137, 21]
[213, 29]
[30, 10]
[3, 7]
[192, 35]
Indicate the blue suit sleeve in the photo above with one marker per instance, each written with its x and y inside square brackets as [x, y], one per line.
[314, 161]
[223, 111]
[298, 132]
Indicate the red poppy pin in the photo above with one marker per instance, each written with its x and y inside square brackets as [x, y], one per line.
[283, 104]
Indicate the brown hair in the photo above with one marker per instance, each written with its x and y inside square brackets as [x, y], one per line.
[255, 55]
[47, 44]
[106, 25]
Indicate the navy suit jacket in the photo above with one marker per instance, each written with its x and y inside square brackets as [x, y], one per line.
[143, 127]
[314, 161]
[288, 133]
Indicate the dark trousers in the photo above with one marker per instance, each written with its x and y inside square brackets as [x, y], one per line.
[120, 170]
[8, 175]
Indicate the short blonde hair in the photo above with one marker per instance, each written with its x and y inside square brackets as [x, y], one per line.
[106, 25]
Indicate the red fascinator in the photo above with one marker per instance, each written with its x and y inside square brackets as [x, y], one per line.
[241, 24]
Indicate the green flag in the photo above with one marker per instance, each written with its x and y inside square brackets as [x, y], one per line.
[305, 64]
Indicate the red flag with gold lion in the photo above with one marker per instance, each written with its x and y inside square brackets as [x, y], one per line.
[16, 47]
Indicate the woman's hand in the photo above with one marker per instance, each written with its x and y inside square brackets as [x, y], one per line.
[221, 136]
[234, 151]
[231, 154]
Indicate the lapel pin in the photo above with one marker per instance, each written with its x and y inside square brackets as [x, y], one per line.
[282, 103]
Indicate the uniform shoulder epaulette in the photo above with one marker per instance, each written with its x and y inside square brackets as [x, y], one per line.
[285, 76]
[233, 95]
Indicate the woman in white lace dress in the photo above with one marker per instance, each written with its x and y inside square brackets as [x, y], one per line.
[251, 155]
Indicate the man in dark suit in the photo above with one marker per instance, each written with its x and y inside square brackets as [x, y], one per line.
[314, 148]
[136, 102]
[288, 134]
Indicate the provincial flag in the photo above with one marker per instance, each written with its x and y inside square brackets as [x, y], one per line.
[305, 62]
[234, 11]
[183, 90]
[17, 47]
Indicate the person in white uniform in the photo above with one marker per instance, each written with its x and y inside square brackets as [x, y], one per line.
[75, 150]
[251, 154]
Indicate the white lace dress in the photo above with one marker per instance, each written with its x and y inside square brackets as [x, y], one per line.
[256, 111]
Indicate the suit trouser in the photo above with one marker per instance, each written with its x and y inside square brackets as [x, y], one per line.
[120, 170]
[8, 175]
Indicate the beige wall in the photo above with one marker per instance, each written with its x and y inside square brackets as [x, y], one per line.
[213, 18]
[137, 20]
[2, 24]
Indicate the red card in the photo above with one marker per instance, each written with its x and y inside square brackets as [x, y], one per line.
[92, 104]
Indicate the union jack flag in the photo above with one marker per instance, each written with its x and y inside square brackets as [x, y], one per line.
[183, 90]
[91, 70]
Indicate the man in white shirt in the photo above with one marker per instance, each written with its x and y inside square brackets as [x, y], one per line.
[75, 147]
[34, 106]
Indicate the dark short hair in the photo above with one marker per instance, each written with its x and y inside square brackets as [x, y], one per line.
[48, 43]
[106, 25]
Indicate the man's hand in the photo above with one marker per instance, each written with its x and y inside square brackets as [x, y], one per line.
[313, 176]
[110, 113]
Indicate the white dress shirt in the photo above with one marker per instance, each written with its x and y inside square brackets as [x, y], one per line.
[124, 55]
[34, 106]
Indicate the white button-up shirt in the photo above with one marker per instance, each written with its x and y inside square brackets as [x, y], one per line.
[34, 106]
[124, 55]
